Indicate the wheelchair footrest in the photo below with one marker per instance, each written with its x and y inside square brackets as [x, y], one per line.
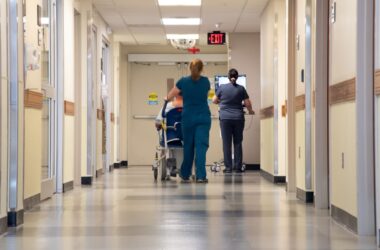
[172, 166]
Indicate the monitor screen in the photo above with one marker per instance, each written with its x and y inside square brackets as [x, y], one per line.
[220, 80]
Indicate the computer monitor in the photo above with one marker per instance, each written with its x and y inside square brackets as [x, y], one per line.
[220, 80]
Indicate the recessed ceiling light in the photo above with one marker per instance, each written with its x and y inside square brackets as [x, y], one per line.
[180, 2]
[182, 36]
[181, 21]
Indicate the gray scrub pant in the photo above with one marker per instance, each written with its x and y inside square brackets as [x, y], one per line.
[232, 131]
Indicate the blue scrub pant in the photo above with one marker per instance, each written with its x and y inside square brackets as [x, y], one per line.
[195, 144]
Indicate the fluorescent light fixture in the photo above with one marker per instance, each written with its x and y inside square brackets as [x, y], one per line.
[181, 21]
[180, 2]
[182, 36]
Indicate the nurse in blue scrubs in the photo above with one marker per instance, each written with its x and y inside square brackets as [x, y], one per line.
[196, 121]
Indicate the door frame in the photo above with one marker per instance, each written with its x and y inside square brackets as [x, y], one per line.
[92, 83]
[321, 99]
[49, 185]
[291, 78]
[78, 97]
[106, 101]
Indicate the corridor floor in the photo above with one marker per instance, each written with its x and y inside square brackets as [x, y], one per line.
[127, 210]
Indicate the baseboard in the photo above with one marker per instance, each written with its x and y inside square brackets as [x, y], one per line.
[116, 165]
[272, 178]
[3, 225]
[344, 218]
[124, 164]
[68, 186]
[86, 180]
[252, 167]
[15, 218]
[99, 172]
[305, 196]
[30, 202]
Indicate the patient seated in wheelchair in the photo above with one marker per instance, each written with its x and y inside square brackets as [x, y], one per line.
[173, 123]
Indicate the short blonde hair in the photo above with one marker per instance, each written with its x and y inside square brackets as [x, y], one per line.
[197, 63]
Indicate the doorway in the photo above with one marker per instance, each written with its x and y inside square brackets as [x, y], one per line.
[105, 98]
[48, 78]
[91, 98]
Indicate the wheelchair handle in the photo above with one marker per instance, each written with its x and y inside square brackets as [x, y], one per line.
[163, 114]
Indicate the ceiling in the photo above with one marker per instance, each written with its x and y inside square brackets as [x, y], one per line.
[138, 22]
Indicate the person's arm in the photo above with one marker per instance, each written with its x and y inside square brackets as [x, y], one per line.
[158, 121]
[216, 98]
[248, 105]
[173, 93]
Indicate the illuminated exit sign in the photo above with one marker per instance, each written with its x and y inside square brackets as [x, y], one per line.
[216, 38]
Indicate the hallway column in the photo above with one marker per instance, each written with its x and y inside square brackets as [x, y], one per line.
[365, 118]
[16, 115]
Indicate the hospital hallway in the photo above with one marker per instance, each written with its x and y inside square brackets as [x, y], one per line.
[127, 210]
[106, 106]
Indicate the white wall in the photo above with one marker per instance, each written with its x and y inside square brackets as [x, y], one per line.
[244, 55]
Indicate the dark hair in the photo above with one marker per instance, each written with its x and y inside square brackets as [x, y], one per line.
[233, 75]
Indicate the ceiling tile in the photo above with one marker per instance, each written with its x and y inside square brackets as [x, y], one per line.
[182, 30]
[179, 12]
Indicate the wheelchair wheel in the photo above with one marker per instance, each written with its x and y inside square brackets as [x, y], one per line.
[155, 174]
[163, 168]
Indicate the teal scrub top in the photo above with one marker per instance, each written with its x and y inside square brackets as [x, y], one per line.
[195, 94]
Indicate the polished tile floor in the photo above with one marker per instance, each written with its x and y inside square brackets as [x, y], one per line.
[127, 210]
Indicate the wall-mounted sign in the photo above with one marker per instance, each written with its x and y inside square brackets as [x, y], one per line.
[153, 99]
[216, 38]
[211, 95]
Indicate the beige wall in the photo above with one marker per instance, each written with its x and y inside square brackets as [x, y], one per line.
[142, 134]
[116, 104]
[273, 83]
[69, 91]
[124, 107]
[244, 55]
[87, 10]
[300, 90]
[343, 116]
[33, 126]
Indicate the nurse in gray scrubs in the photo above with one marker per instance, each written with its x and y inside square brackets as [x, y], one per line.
[231, 98]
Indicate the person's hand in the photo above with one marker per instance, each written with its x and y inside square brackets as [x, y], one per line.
[158, 126]
[251, 112]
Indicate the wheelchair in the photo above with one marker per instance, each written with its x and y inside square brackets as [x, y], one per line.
[169, 152]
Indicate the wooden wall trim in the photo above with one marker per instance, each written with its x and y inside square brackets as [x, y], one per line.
[300, 102]
[343, 92]
[377, 82]
[267, 112]
[113, 117]
[33, 99]
[100, 114]
[69, 108]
